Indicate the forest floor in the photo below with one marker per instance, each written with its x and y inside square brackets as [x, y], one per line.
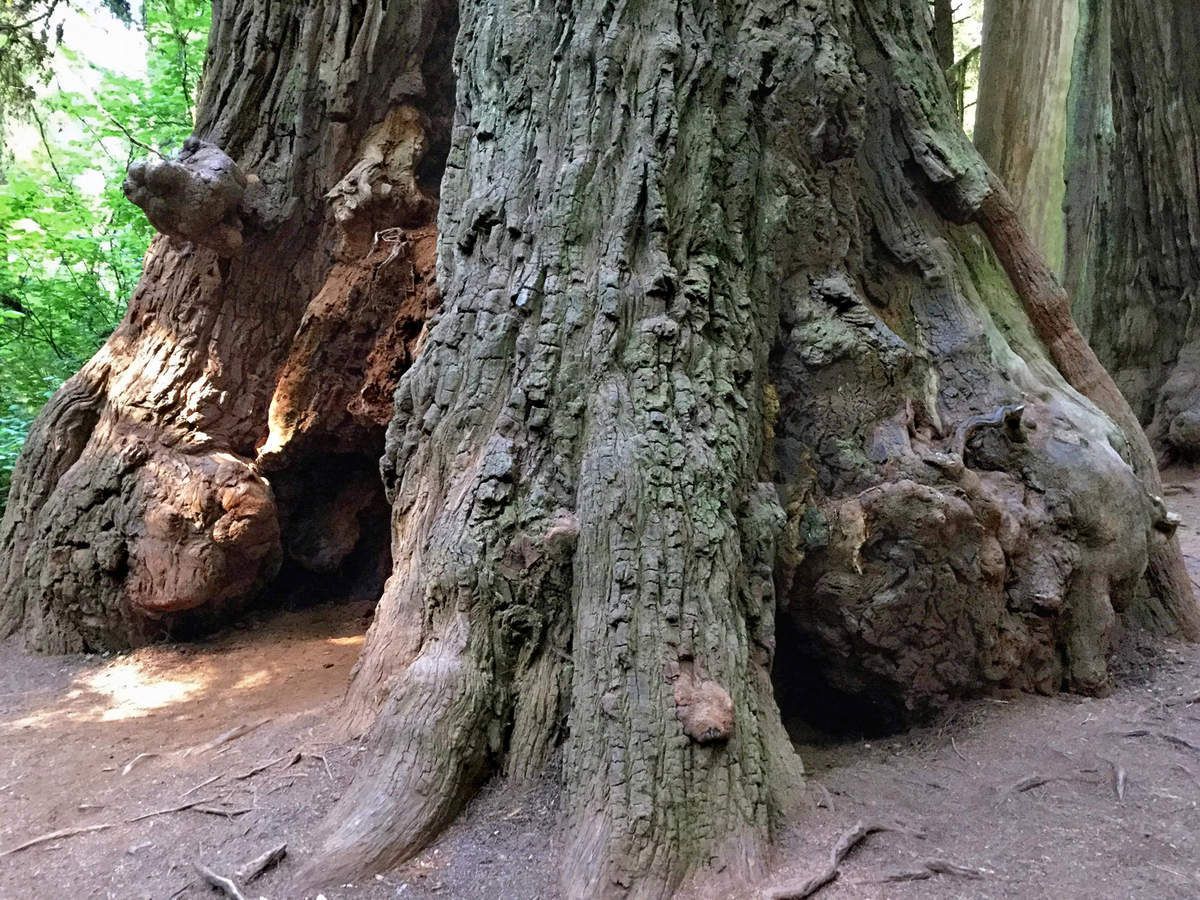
[1039, 796]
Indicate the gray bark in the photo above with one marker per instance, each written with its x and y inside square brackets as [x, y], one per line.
[1134, 208]
[705, 315]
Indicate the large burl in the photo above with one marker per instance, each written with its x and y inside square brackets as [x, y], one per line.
[209, 534]
[195, 196]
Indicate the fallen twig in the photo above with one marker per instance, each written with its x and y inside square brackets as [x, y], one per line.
[226, 736]
[1179, 741]
[220, 882]
[322, 758]
[261, 767]
[60, 833]
[162, 812]
[204, 783]
[260, 864]
[101, 826]
[1187, 700]
[1028, 784]
[133, 762]
[218, 811]
[847, 842]
[931, 867]
[1166, 736]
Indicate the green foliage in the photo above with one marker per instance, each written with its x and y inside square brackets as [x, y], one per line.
[72, 244]
[27, 38]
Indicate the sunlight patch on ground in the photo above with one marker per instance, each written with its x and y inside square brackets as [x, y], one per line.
[134, 692]
[183, 686]
[126, 689]
[253, 680]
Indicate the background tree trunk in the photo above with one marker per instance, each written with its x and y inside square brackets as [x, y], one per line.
[943, 32]
[1130, 213]
[1134, 208]
[1021, 113]
[718, 399]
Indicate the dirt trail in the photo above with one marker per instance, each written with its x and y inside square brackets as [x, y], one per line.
[1022, 790]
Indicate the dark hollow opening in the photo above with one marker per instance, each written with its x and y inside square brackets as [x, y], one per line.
[820, 708]
[335, 523]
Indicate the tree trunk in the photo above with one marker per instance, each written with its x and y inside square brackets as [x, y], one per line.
[1021, 114]
[1130, 217]
[943, 33]
[702, 317]
[717, 396]
[1134, 211]
[138, 505]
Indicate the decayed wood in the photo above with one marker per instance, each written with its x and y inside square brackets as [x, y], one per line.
[138, 505]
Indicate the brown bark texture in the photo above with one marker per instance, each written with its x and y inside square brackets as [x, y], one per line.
[712, 394]
[139, 505]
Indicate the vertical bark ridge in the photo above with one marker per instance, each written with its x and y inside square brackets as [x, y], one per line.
[637, 197]
[627, 271]
[1133, 212]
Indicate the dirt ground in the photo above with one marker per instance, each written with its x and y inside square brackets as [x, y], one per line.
[1062, 797]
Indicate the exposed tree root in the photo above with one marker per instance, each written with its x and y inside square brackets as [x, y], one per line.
[829, 873]
[426, 755]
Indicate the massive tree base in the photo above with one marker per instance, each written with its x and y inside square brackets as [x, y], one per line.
[718, 358]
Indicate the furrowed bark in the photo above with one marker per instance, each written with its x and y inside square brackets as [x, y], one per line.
[711, 346]
[1171, 606]
[1133, 213]
[1031, 133]
[137, 505]
[718, 396]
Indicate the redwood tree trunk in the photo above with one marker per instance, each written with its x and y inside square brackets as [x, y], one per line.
[717, 393]
[704, 316]
[1131, 210]
[1021, 114]
[1134, 208]
[138, 505]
